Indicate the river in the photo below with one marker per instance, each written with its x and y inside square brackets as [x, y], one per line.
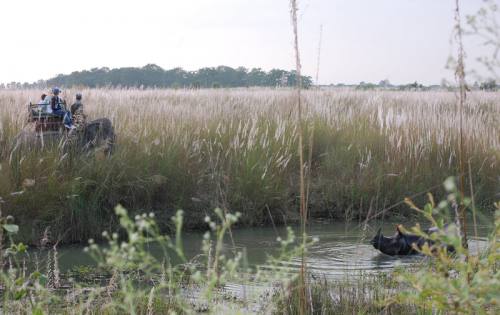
[342, 249]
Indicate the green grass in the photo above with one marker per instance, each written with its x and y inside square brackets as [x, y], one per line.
[362, 294]
[129, 278]
[200, 149]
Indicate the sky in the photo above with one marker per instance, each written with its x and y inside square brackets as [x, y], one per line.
[362, 40]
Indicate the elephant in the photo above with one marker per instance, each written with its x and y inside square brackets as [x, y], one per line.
[96, 134]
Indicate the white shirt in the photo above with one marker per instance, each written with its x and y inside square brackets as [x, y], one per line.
[44, 105]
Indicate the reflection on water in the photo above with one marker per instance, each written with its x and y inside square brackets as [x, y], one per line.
[343, 249]
[337, 257]
[342, 253]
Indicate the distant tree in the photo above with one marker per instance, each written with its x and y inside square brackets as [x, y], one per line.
[384, 83]
[241, 76]
[490, 85]
[153, 75]
[14, 85]
[273, 78]
[365, 86]
[307, 82]
[196, 85]
[415, 86]
[283, 81]
[256, 77]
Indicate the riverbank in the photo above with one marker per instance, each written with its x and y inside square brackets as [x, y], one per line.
[237, 149]
[148, 273]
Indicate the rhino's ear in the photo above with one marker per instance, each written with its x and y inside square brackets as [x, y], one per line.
[398, 229]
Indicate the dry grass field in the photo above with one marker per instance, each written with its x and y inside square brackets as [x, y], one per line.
[237, 149]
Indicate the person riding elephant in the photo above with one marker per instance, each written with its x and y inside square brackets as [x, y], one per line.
[57, 108]
[44, 105]
[79, 118]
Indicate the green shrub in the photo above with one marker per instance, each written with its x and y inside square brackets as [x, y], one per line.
[459, 282]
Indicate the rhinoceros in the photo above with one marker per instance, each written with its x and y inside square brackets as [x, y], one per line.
[402, 243]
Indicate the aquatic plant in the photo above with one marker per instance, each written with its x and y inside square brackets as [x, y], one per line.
[465, 281]
[360, 294]
[133, 278]
[462, 282]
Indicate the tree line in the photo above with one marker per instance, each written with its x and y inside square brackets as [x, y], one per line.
[152, 75]
[489, 85]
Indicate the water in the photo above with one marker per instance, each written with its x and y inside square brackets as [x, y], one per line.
[343, 249]
[342, 253]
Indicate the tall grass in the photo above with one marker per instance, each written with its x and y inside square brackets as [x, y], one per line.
[365, 294]
[303, 206]
[196, 150]
[460, 76]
